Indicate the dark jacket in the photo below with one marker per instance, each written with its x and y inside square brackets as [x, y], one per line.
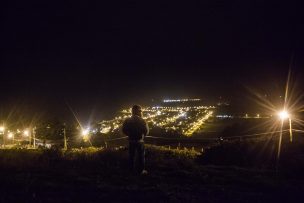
[135, 128]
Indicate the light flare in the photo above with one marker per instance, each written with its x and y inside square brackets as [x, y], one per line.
[283, 115]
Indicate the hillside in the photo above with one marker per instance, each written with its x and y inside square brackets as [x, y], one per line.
[96, 175]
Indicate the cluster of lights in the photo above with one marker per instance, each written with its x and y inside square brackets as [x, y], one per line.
[179, 108]
[168, 118]
[105, 130]
[11, 134]
[180, 100]
[224, 116]
[197, 125]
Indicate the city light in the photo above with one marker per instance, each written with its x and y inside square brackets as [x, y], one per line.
[10, 135]
[105, 130]
[2, 129]
[196, 125]
[180, 100]
[26, 133]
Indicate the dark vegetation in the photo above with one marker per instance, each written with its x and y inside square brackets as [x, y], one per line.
[231, 171]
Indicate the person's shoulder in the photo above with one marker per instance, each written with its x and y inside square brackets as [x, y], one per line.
[127, 120]
[137, 119]
[141, 120]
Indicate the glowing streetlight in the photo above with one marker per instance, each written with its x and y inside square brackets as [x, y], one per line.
[85, 132]
[85, 135]
[283, 115]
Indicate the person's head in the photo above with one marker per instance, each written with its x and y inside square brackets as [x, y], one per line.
[136, 111]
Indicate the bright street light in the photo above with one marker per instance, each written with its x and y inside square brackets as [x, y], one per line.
[283, 115]
[85, 132]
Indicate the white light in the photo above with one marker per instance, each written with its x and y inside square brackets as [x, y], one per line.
[2, 128]
[283, 115]
[85, 132]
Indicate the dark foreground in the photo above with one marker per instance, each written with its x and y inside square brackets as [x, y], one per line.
[95, 175]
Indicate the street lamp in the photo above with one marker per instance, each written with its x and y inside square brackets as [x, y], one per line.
[85, 134]
[283, 115]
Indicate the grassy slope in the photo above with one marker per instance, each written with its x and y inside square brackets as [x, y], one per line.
[93, 175]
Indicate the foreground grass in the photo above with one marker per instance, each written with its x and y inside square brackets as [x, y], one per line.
[96, 175]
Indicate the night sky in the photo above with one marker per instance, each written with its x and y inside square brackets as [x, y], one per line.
[99, 57]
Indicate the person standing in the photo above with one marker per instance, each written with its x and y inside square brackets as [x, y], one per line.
[136, 128]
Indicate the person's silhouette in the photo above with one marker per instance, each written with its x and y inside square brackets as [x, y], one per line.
[136, 129]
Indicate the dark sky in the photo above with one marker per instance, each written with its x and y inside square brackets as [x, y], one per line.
[102, 55]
